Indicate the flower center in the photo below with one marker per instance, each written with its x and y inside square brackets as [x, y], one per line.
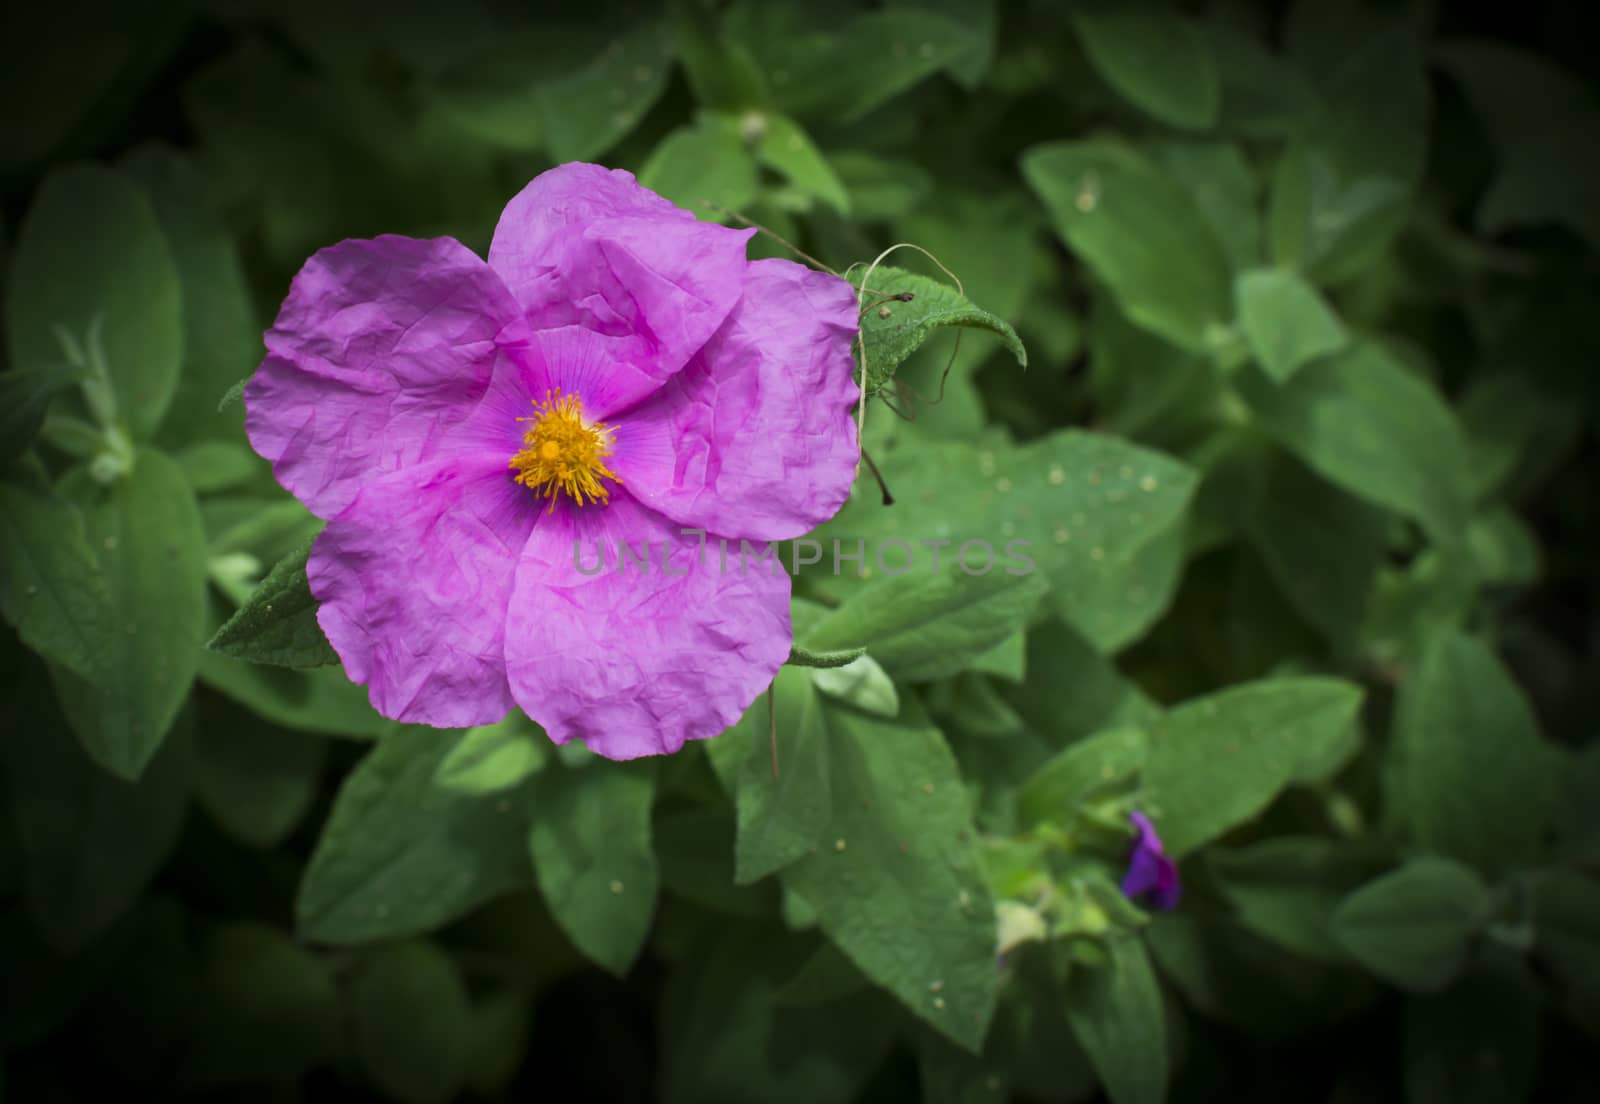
[562, 452]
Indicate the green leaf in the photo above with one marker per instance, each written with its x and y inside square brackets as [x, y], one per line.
[217, 465]
[786, 148]
[279, 624]
[1158, 60]
[256, 780]
[1368, 424]
[586, 112]
[1263, 96]
[322, 700]
[701, 164]
[1218, 761]
[268, 1009]
[1285, 320]
[1322, 547]
[221, 337]
[400, 855]
[722, 73]
[590, 842]
[1105, 760]
[1116, 1014]
[1343, 187]
[1141, 233]
[1286, 888]
[147, 534]
[1223, 185]
[411, 1022]
[780, 819]
[1480, 784]
[804, 657]
[89, 841]
[821, 69]
[90, 248]
[861, 683]
[25, 396]
[1411, 927]
[919, 628]
[896, 881]
[1082, 507]
[880, 187]
[496, 757]
[52, 589]
[1081, 693]
[890, 339]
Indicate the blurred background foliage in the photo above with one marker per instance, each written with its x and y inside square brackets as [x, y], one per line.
[1303, 448]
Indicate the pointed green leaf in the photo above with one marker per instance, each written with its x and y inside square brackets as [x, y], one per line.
[255, 779]
[1285, 320]
[1367, 423]
[1105, 760]
[1155, 58]
[496, 757]
[411, 1021]
[1411, 927]
[90, 248]
[1141, 233]
[278, 625]
[400, 855]
[1480, 783]
[1218, 761]
[52, 589]
[1116, 1013]
[800, 656]
[590, 841]
[892, 329]
[788, 149]
[146, 532]
[586, 112]
[701, 164]
[896, 882]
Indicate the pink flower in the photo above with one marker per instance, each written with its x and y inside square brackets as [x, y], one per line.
[617, 372]
[1152, 878]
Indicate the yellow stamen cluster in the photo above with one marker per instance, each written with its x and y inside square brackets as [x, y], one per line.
[563, 452]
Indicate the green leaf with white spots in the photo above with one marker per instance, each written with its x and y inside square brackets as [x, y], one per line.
[278, 625]
[1140, 231]
[1081, 510]
[91, 262]
[401, 855]
[147, 534]
[590, 842]
[895, 881]
[894, 328]
[1218, 761]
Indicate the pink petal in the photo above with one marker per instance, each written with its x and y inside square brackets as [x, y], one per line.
[634, 663]
[757, 435]
[585, 248]
[379, 349]
[414, 577]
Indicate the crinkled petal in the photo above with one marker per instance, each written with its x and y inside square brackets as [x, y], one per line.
[586, 248]
[381, 347]
[756, 436]
[635, 662]
[414, 578]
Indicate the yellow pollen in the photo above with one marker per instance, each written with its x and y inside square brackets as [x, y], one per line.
[563, 452]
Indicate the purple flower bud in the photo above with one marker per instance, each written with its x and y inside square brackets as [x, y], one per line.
[1152, 878]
